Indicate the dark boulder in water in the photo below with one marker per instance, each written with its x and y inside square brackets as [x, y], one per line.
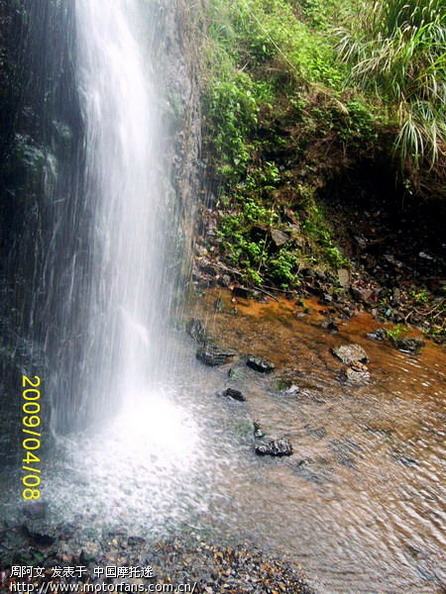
[260, 364]
[234, 394]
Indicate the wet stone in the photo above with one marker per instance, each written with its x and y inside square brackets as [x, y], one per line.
[258, 431]
[196, 330]
[326, 298]
[351, 353]
[260, 364]
[356, 373]
[405, 461]
[287, 387]
[219, 304]
[379, 335]
[317, 432]
[274, 447]
[345, 451]
[316, 471]
[292, 390]
[39, 533]
[212, 356]
[234, 394]
[330, 325]
[408, 345]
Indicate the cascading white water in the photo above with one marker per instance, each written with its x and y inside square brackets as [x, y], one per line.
[141, 444]
[127, 295]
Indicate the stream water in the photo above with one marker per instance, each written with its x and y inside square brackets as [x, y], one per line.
[362, 502]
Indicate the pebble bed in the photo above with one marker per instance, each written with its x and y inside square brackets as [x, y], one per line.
[208, 568]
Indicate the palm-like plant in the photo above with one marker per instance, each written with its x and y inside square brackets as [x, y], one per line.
[399, 51]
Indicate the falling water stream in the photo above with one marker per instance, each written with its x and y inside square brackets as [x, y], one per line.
[141, 441]
[124, 306]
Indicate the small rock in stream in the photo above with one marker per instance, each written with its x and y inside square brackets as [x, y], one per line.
[407, 461]
[212, 356]
[234, 394]
[330, 324]
[292, 390]
[196, 330]
[351, 353]
[274, 447]
[356, 373]
[379, 334]
[258, 431]
[260, 364]
[408, 345]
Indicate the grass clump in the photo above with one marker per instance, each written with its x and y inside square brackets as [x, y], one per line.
[397, 50]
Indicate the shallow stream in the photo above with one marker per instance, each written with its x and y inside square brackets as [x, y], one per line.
[361, 503]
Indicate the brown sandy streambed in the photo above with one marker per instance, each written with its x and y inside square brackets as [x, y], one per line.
[361, 503]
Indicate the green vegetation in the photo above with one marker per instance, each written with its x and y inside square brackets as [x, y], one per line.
[396, 333]
[296, 91]
[397, 50]
[272, 86]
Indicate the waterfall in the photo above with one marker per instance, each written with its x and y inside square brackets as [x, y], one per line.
[117, 276]
[125, 440]
[120, 424]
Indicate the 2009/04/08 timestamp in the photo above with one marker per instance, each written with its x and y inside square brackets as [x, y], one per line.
[31, 443]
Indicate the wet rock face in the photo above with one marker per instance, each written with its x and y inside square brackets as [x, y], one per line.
[213, 356]
[260, 364]
[351, 353]
[274, 447]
